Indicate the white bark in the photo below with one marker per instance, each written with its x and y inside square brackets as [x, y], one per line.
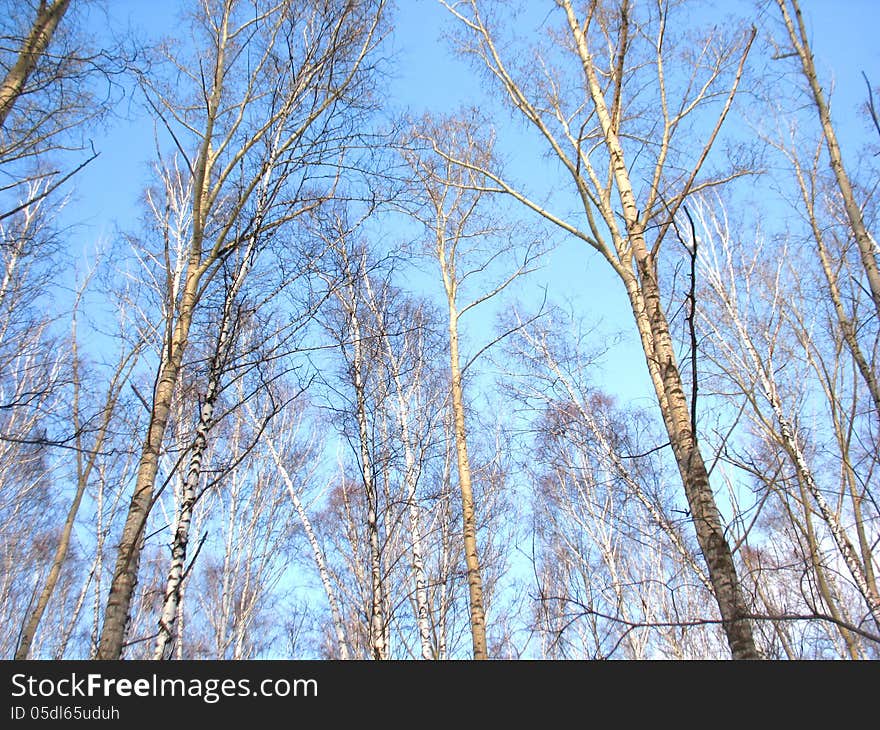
[317, 552]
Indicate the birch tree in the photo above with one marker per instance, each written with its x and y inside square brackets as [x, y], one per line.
[34, 379]
[459, 237]
[615, 572]
[237, 593]
[216, 369]
[357, 347]
[798, 39]
[291, 468]
[89, 443]
[405, 361]
[601, 97]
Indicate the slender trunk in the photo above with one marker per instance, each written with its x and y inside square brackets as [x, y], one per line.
[864, 543]
[221, 632]
[378, 645]
[317, 553]
[469, 520]
[219, 358]
[180, 625]
[34, 46]
[847, 325]
[356, 559]
[847, 550]
[798, 35]
[173, 585]
[447, 559]
[828, 596]
[418, 563]
[788, 440]
[99, 567]
[411, 477]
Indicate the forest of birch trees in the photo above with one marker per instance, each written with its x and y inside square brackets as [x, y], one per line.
[334, 388]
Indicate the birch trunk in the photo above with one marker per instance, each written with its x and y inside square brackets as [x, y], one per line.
[168, 618]
[468, 513]
[317, 553]
[171, 604]
[643, 289]
[35, 45]
[378, 643]
[660, 355]
[411, 475]
[797, 33]
[418, 562]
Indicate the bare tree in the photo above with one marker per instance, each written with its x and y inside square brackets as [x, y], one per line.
[797, 35]
[355, 342]
[631, 110]
[87, 451]
[818, 210]
[614, 570]
[289, 464]
[458, 232]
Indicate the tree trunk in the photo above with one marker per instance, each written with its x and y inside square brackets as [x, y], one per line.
[378, 645]
[798, 36]
[317, 553]
[173, 585]
[847, 326]
[418, 562]
[42, 30]
[653, 328]
[643, 290]
[469, 520]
